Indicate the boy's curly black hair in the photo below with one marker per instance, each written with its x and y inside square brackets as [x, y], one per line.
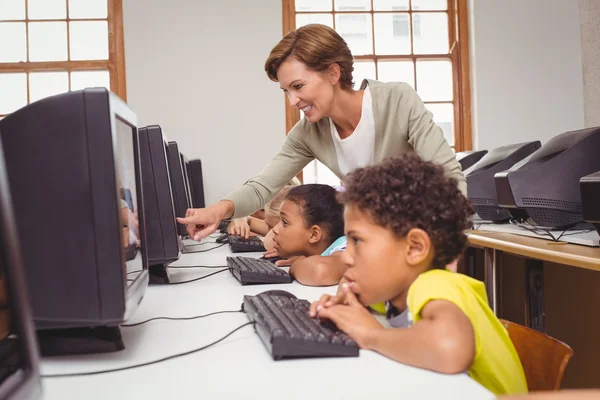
[407, 192]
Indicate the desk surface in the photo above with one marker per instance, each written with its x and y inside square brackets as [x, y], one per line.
[546, 250]
[235, 367]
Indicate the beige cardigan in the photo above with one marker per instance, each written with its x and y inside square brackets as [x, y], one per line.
[402, 125]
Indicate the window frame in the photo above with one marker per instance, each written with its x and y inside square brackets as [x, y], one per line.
[115, 64]
[458, 37]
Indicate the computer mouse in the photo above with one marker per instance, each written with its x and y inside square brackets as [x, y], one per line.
[272, 259]
[224, 238]
[281, 293]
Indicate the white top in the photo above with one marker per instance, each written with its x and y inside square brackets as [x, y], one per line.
[358, 149]
[239, 367]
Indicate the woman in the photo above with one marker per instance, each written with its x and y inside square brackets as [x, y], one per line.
[342, 127]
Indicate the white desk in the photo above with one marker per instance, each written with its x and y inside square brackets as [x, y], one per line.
[233, 368]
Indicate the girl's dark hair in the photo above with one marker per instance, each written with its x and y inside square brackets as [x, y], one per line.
[319, 206]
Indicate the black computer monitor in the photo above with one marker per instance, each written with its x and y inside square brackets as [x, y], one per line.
[186, 178]
[164, 242]
[547, 184]
[196, 183]
[590, 198]
[468, 158]
[480, 178]
[70, 159]
[19, 371]
[180, 198]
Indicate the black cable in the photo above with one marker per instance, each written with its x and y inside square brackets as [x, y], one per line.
[198, 244]
[149, 362]
[197, 279]
[202, 251]
[133, 272]
[181, 318]
[196, 266]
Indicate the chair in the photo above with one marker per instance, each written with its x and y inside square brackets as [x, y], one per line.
[544, 358]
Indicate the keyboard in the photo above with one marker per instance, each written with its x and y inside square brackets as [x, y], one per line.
[287, 331]
[254, 271]
[240, 245]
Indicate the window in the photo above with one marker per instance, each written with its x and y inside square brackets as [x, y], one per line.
[59, 45]
[421, 42]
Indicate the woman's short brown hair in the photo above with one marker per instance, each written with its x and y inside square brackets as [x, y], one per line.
[318, 47]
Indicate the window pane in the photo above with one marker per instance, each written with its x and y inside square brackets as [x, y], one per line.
[47, 41]
[390, 5]
[434, 80]
[15, 49]
[313, 5]
[443, 115]
[392, 34]
[47, 9]
[429, 4]
[316, 172]
[12, 9]
[363, 70]
[44, 84]
[353, 5]
[89, 40]
[356, 30]
[397, 71]
[87, 9]
[84, 79]
[14, 92]
[430, 33]
[305, 19]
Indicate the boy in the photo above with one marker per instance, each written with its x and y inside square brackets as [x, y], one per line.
[405, 220]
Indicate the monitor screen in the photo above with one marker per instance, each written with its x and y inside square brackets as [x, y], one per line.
[129, 184]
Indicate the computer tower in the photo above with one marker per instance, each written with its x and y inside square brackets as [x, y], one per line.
[547, 185]
[163, 241]
[468, 158]
[481, 189]
[180, 197]
[590, 198]
[19, 371]
[70, 159]
[196, 183]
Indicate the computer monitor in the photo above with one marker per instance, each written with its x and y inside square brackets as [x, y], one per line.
[70, 159]
[180, 198]
[196, 183]
[547, 184]
[590, 198]
[468, 158]
[19, 371]
[480, 178]
[186, 179]
[163, 240]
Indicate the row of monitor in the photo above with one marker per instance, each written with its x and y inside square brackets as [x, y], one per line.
[88, 202]
[554, 186]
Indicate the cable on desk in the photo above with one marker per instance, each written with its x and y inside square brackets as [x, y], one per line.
[196, 266]
[205, 250]
[149, 362]
[197, 279]
[197, 244]
[181, 318]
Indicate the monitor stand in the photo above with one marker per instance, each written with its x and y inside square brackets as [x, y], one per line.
[159, 274]
[73, 341]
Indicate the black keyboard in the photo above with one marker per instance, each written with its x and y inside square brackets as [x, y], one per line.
[240, 245]
[251, 270]
[287, 330]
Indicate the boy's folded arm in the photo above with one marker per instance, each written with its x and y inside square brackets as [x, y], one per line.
[318, 270]
[442, 341]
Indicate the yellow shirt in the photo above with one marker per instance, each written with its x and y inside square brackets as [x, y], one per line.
[496, 365]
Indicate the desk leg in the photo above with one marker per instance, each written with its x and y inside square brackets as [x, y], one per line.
[534, 292]
[492, 258]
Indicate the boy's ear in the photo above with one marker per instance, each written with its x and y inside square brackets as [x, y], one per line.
[316, 234]
[418, 247]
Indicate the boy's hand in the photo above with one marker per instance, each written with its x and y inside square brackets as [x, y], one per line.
[288, 261]
[352, 318]
[239, 227]
[328, 301]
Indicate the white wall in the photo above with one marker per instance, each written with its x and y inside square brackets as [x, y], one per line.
[526, 71]
[589, 11]
[196, 69]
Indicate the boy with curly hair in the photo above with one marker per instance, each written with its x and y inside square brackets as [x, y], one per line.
[404, 221]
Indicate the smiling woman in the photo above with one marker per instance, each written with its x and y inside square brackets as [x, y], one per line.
[343, 128]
